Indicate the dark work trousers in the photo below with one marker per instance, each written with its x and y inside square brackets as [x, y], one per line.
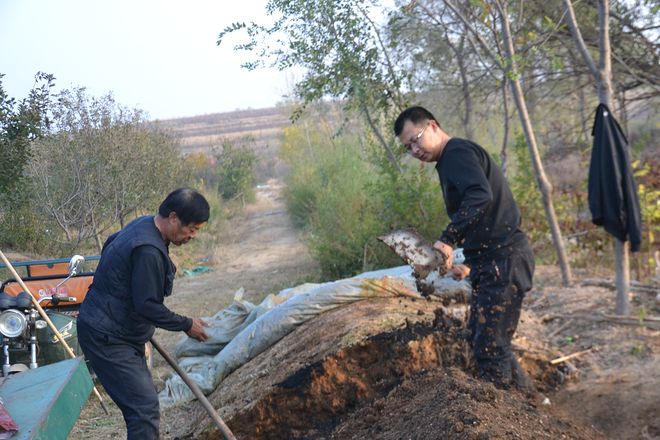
[122, 370]
[499, 284]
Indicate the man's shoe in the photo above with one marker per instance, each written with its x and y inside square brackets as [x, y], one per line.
[520, 379]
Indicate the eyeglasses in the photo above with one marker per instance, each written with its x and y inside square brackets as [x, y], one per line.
[409, 146]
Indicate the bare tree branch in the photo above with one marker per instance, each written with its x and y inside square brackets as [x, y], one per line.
[579, 41]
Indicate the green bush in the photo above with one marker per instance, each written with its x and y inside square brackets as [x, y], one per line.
[344, 200]
[236, 172]
[22, 227]
[304, 183]
[325, 195]
[97, 168]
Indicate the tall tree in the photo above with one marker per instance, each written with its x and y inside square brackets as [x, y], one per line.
[509, 67]
[602, 75]
[99, 164]
[344, 55]
[20, 123]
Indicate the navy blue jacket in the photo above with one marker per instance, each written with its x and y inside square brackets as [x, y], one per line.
[133, 277]
[612, 191]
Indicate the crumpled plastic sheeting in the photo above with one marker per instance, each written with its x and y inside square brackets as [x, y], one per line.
[302, 303]
[228, 322]
[223, 326]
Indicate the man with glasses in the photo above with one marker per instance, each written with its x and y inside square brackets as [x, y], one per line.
[485, 222]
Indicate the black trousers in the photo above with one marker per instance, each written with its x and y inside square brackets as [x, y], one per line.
[122, 370]
[499, 284]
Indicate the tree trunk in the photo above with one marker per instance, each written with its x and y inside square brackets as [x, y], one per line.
[390, 154]
[605, 94]
[544, 185]
[622, 277]
[603, 76]
[605, 65]
[465, 87]
[505, 137]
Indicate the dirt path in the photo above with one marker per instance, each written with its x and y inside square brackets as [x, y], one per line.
[259, 251]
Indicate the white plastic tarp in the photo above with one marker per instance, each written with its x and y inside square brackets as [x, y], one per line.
[243, 330]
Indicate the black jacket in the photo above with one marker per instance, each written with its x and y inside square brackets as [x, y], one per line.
[132, 279]
[612, 191]
[484, 216]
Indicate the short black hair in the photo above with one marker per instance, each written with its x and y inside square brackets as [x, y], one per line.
[415, 115]
[190, 206]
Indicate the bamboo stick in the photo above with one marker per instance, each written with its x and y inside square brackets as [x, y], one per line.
[569, 356]
[49, 322]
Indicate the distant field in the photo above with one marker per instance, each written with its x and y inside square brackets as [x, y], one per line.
[263, 126]
[202, 133]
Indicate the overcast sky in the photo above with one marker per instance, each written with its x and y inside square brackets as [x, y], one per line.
[157, 55]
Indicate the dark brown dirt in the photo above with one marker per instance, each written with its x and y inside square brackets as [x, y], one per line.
[308, 403]
[410, 381]
[450, 404]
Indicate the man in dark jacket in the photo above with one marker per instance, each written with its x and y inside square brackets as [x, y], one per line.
[485, 221]
[124, 305]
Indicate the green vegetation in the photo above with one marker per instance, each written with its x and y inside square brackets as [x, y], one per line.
[77, 168]
[94, 168]
[21, 122]
[343, 197]
[235, 172]
[344, 201]
[648, 180]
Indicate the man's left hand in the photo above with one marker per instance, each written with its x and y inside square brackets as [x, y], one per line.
[460, 271]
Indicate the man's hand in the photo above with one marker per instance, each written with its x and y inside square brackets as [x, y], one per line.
[460, 271]
[448, 253]
[197, 330]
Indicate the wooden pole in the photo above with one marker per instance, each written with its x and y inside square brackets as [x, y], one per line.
[48, 321]
[226, 432]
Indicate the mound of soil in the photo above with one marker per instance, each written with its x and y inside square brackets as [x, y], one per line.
[389, 369]
[449, 404]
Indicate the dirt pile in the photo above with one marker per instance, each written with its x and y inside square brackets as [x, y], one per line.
[385, 369]
[450, 405]
[309, 402]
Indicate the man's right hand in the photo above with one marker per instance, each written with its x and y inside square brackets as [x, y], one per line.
[447, 252]
[197, 330]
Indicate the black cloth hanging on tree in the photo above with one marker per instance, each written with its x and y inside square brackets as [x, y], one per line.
[613, 197]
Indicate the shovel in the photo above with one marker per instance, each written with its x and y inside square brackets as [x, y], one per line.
[226, 432]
